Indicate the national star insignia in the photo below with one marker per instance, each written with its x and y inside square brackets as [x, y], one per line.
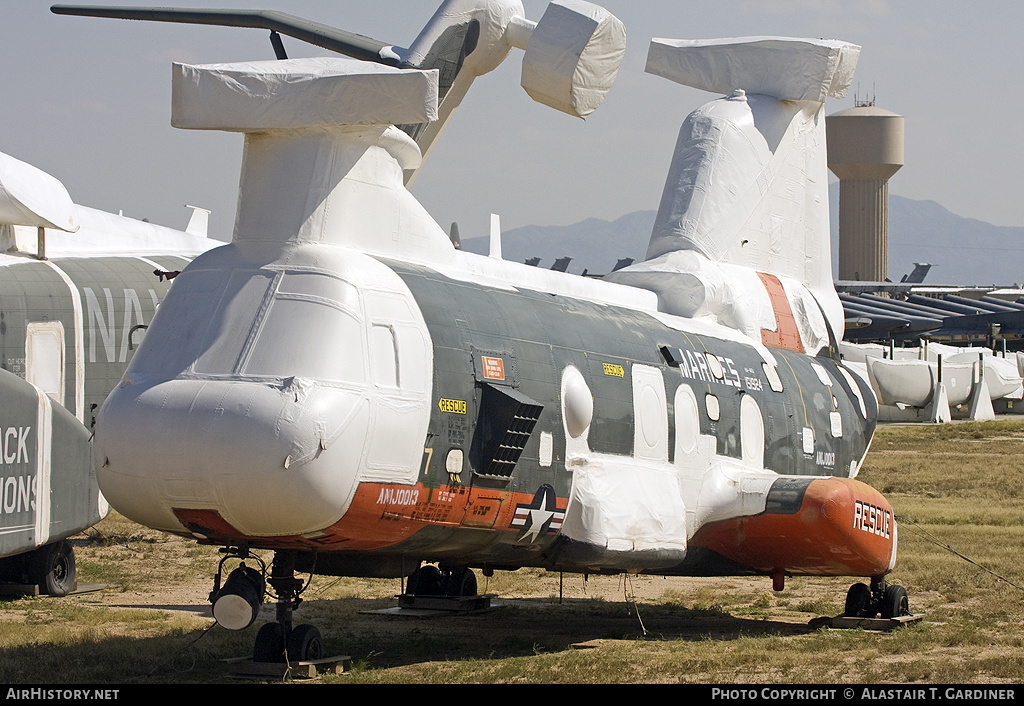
[539, 516]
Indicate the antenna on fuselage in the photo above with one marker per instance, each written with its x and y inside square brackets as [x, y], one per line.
[495, 250]
[199, 222]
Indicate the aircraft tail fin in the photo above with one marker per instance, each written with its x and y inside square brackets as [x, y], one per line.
[770, 211]
[747, 189]
[920, 272]
[199, 223]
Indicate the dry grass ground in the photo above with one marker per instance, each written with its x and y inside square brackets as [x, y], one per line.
[955, 487]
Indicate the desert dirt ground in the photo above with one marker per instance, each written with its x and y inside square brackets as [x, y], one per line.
[955, 485]
[532, 610]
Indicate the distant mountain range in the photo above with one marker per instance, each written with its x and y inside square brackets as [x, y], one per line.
[962, 251]
[594, 245]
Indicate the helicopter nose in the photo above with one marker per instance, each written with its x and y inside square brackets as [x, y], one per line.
[263, 460]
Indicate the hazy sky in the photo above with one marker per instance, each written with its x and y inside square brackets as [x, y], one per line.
[88, 100]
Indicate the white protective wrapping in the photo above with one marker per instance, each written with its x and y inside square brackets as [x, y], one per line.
[299, 93]
[905, 379]
[691, 285]
[915, 382]
[1001, 374]
[781, 67]
[573, 57]
[105, 234]
[323, 161]
[31, 197]
[492, 18]
[748, 184]
[626, 506]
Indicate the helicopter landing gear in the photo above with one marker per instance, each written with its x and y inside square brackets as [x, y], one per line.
[49, 569]
[236, 605]
[448, 588]
[52, 568]
[279, 641]
[879, 599]
[454, 582]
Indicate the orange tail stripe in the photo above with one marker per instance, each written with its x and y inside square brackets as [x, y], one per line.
[786, 335]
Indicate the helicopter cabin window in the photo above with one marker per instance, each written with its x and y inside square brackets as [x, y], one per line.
[715, 366]
[399, 356]
[191, 323]
[311, 329]
[229, 320]
[383, 356]
[856, 392]
[546, 449]
[751, 432]
[808, 439]
[822, 375]
[836, 422]
[714, 410]
[320, 286]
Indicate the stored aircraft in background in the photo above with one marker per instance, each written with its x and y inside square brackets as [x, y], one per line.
[78, 287]
[342, 385]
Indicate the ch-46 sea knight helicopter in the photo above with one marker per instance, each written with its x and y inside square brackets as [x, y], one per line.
[343, 386]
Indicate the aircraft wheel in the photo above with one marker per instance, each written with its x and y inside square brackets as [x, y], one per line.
[269, 645]
[461, 582]
[53, 568]
[858, 601]
[895, 602]
[425, 581]
[305, 644]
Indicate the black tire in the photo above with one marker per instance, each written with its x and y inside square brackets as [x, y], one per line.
[425, 581]
[305, 644]
[53, 568]
[461, 582]
[269, 645]
[895, 602]
[858, 601]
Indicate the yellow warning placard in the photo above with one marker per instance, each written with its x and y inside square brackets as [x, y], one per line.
[452, 406]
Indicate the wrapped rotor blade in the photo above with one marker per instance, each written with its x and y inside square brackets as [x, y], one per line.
[573, 56]
[31, 197]
[315, 33]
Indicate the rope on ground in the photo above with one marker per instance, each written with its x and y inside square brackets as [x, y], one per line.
[935, 540]
[630, 597]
